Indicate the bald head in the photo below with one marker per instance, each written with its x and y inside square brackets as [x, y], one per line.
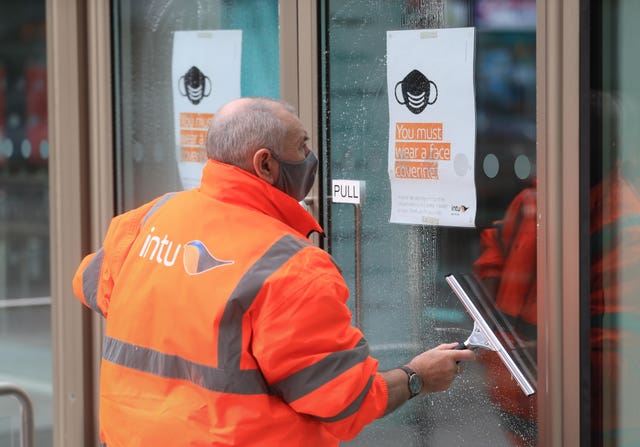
[244, 125]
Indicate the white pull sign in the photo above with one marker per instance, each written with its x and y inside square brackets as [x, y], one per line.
[348, 191]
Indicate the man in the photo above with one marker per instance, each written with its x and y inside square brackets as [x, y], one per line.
[224, 325]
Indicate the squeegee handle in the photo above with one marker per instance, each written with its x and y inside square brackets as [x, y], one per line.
[460, 346]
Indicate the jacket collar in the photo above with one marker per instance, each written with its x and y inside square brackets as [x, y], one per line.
[231, 184]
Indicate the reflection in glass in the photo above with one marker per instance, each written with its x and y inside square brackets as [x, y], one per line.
[143, 45]
[25, 328]
[407, 306]
[522, 167]
[614, 226]
[491, 165]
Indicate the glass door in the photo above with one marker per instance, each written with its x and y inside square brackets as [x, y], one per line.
[396, 269]
[175, 63]
[614, 206]
[25, 288]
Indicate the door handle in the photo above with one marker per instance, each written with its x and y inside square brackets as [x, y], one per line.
[358, 262]
[352, 192]
[26, 410]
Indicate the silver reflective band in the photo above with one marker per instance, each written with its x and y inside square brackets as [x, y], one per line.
[90, 277]
[91, 274]
[155, 207]
[352, 408]
[175, 367]
[314, 376]
[245, 382]
[230, 332]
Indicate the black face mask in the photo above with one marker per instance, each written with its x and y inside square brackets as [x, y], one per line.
[416, 92]
[296, 177]
[194, 85]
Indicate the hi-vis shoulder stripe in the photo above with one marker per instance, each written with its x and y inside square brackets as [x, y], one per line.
[157, 205]
[241, 299]
[90, 278]
[91, 274]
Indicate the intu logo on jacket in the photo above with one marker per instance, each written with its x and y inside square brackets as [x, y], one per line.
[196, 257]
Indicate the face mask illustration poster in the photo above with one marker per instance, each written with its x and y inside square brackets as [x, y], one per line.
[432, 126]
[205, 76]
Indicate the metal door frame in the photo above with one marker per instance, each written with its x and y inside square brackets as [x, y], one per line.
[558, 136]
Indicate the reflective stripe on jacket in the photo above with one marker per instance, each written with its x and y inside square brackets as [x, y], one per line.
[224, 325]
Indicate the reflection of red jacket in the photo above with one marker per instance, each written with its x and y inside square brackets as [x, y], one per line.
[510, 256]
[615, 260]
[508, 264]
[509, 259]
[615, 308]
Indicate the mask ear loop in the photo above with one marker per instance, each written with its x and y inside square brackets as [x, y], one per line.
[281, 161]
[395, 93]
[434, 99]
[208, 82]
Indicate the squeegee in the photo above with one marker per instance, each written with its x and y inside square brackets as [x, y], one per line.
[489, 334]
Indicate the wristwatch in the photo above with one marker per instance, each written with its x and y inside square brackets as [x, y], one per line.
[415, 381]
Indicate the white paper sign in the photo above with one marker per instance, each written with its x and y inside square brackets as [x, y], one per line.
[432, 126]
[348, 191]
[205, 76]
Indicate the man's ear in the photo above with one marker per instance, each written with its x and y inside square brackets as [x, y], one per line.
[265, 166]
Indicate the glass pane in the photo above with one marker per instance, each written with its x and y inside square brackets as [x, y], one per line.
[615, 226]
[25, 294]
[396, 271]
[146, 98]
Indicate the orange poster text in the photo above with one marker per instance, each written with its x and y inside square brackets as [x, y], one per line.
[193, 137]
[416, 169]
[197, 154]
[423, 151]
[419, 131]
[195, 120]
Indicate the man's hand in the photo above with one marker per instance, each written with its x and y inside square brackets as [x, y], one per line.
[437, 367]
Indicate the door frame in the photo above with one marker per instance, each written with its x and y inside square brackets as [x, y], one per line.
[558, 137]
[82, 195]
[81, 201]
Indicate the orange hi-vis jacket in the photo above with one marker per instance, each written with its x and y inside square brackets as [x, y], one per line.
[225, 325]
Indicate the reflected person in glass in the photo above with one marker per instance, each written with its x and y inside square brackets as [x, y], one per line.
[507, 267]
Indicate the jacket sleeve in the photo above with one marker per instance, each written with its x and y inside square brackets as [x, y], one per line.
[310, 354]
[96, 275]
[491, 262]
[498, 241]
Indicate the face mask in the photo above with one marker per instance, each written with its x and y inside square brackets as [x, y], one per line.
[296, 177]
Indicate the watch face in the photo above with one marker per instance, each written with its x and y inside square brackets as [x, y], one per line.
[415, 384]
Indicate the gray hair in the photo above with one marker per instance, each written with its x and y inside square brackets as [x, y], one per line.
[234, 136]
